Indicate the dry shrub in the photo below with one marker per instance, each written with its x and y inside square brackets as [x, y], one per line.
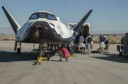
[6, 39]
[114, 39]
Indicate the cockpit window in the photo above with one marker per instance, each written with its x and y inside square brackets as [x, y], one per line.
[51, 17]
[42, 15]
[34, 16]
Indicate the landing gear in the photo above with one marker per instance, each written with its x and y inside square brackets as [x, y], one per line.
[120, 54]
[19, 47]
[18, 51]
[48, 57]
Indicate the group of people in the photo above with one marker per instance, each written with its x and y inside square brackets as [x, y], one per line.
[64, 52]
[88, 44]
[104, 44]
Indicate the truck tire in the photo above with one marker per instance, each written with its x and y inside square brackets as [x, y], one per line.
[48, 58]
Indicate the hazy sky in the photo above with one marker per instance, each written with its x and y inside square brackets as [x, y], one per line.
[109, 16]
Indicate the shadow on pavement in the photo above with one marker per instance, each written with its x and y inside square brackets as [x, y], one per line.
[58, 60]
[6, 56]
[113, 57]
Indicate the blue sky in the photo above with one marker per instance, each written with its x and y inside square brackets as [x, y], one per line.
[109, 16]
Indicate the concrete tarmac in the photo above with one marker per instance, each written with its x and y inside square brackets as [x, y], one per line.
[81, 69]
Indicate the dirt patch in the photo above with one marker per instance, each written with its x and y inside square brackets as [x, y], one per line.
[7, 37]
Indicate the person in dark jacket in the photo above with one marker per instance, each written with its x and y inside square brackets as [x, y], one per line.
[124, 42]
[107, 44]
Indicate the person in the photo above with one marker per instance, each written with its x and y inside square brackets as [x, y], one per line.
[88, 44]
[107, 44]
[124, 42]
[71, 47]
[81, 40]
[102, 40]
[63, 52]
[92, 42]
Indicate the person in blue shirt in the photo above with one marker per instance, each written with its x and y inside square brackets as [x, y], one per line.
[102, 40]
[88, 44]
[80, 45]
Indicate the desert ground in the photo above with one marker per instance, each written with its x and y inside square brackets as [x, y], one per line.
[7, 37]
[95, 68]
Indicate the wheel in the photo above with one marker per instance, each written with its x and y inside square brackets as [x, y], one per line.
[120, 54]
[48, 57]
[18, 51]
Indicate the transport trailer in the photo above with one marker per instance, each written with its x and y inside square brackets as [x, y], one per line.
[120, 49]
